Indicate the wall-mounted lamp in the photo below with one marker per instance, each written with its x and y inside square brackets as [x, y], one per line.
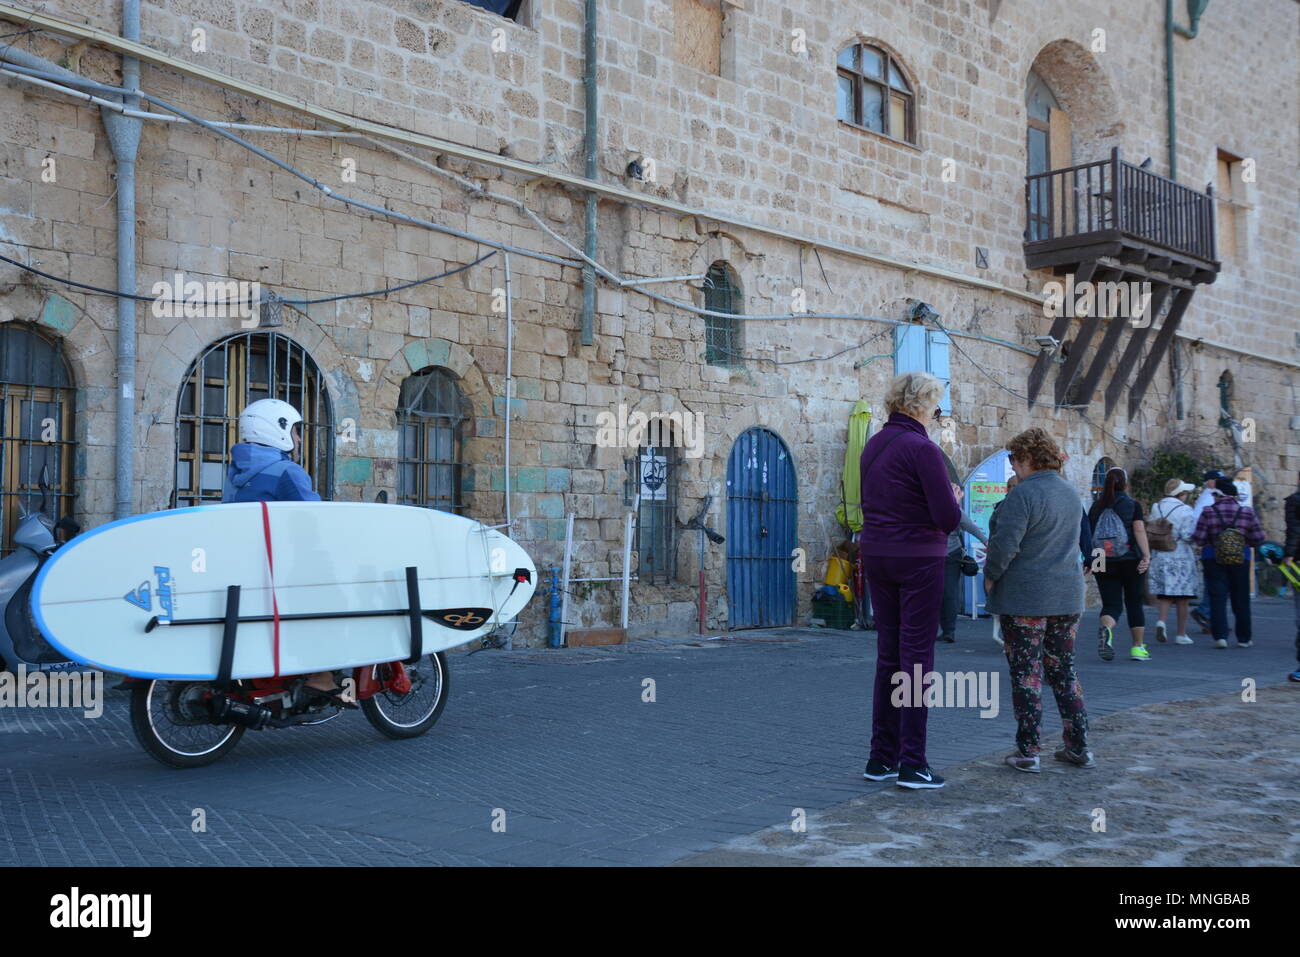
[1047, 344]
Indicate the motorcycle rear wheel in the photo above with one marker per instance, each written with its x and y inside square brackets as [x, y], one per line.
[168, 718]
[412, 714]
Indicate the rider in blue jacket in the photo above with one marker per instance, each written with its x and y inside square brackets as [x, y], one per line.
[263, 469]
[262, 464]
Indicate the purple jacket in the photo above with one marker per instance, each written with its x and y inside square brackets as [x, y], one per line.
[908, 507]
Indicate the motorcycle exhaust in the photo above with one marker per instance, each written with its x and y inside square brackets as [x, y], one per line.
[239, 712]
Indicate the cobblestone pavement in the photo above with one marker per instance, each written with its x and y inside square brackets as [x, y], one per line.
[1206, 782]
[741, 731]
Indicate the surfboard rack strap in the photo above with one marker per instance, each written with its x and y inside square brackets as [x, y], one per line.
[228, 636]
[416, 618]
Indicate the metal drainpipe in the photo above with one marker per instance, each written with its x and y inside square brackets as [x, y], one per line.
[510, 349]
[1194, 10]
[589, 84]
[124, 139]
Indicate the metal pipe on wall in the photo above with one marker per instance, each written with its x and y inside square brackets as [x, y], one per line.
[1194, 10]
[589, 86]
[510, 341]
[564, 586]
[124, 139]
[627, 559]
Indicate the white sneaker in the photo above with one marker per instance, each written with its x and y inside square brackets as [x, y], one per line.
[1183, 640]
[1160, 632]
[1220, 643]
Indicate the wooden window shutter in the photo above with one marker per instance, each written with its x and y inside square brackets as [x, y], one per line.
[1059, 157]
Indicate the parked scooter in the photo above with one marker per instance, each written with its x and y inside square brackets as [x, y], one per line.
[36, 538]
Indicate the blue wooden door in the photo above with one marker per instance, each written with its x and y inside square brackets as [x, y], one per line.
[762, 501]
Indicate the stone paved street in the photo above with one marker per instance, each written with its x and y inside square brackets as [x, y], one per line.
[741, 732]
[1225, 794]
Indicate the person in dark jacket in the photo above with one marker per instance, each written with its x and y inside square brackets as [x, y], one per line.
[909, 507]
[263, 468]
[1291, 556]
[1226, 583]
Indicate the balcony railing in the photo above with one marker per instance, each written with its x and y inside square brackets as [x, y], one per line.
[1096, 201]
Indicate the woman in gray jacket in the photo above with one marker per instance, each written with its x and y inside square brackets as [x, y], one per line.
[1034, 582]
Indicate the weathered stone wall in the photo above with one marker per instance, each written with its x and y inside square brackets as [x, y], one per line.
[758, 142]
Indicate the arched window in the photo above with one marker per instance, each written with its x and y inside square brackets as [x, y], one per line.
[1104, 465]
[229, 375]
[431, 417]
[723, 341]
[36, 404]
[873, 92]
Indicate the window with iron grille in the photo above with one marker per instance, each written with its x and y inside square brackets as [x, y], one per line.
[229, 375]
[723, 345]
[37, 442]
[873, 92]
[653, 476]
[431, 420]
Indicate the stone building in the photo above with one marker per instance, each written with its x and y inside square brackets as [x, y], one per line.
[850, 178]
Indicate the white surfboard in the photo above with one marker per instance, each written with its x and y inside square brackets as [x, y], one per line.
[148, 595]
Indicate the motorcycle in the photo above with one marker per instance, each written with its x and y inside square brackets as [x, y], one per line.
[189, 724]
[35, 539]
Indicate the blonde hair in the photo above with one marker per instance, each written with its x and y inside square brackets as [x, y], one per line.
[1173, 484]
[916, 393]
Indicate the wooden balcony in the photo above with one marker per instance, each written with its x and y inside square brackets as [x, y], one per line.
[1113, 208]
[1112, 222]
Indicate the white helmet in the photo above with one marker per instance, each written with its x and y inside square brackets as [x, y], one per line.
[269, 422]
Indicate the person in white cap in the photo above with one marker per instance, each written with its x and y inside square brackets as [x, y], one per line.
[263, 466]
[1174, 576]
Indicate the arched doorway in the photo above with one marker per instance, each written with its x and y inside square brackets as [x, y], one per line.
[226, 377]
[762, 527]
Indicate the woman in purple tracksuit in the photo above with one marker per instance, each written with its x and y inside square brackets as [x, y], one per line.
[908, 508]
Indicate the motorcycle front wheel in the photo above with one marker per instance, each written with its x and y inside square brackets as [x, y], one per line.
[412, 714]
[170, 720]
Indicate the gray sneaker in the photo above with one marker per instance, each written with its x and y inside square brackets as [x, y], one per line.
[1083, 759]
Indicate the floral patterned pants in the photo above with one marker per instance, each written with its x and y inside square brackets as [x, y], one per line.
[1038, 647]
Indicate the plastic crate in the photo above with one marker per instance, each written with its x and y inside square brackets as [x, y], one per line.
[836, 612]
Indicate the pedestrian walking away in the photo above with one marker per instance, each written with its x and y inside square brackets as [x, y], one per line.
[909, 507]
[1201, 613]
[1119, 530]
[1226, 530]
[1174, 575]
[1033, 576]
